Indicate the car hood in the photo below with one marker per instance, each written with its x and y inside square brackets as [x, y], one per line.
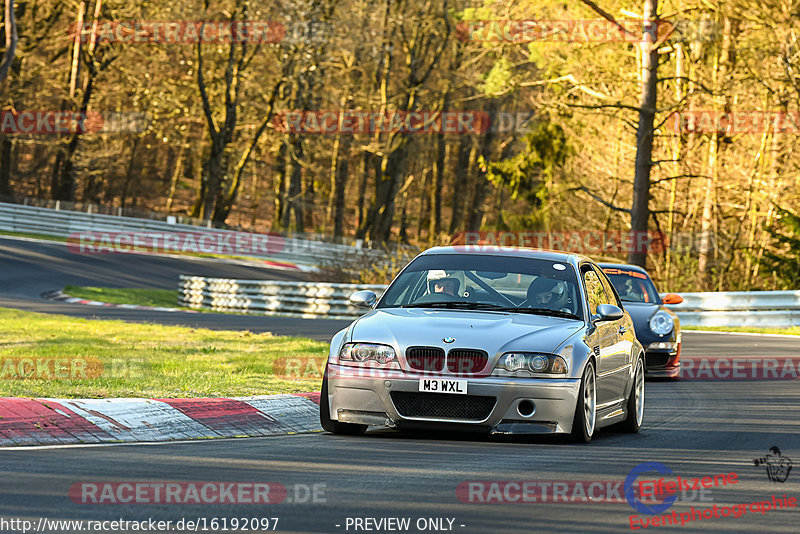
[641, 312]
[493, 332]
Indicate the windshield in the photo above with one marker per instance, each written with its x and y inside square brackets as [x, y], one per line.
[633, 286]
[485, 282]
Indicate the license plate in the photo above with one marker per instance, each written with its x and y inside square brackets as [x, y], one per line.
[443, 385]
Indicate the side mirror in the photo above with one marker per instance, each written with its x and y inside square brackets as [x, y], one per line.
[363, 299]
[608, 312]
[672, 298]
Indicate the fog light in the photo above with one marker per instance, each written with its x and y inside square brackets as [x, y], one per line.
[526, 408]
[661, 345]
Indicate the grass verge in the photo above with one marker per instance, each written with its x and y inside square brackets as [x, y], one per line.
[45, 355]
[166, 298]
[792, 330]
[33, 236]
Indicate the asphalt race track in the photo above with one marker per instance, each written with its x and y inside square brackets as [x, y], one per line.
[30, 268]
[695, 428]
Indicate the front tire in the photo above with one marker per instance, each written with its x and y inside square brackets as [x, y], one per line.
[635, 404]
[583, 424]
[328, 424]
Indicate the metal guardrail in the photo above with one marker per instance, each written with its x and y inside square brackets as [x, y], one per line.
[63, 224]
[739, 300]
[739, 308]
[266, 297]
[316, 300]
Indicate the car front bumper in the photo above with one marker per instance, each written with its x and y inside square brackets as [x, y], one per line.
[663, 363]
[493, 403]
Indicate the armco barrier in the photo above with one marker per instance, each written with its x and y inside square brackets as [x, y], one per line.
[62, 223]
[739, 308]
[312, 299]
[265, 297]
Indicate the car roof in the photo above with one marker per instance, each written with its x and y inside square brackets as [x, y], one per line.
[517, 252]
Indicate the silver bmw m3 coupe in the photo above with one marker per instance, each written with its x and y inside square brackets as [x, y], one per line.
[497, 340]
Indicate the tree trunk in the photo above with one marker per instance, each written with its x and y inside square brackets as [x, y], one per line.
[176, 176]
[64, 174]
[129, 173]
[212, 169]
[677, 155]
[335, 173]
[11, 40]
[77, 45]
[640, 209]
[5, 165]
[476, 209]
[424, 204]
[723, 61]
[460, 175]
[309, 199]
[362, 189]
[437, 180]
[279, 187]
[294, 172]
[338, 201]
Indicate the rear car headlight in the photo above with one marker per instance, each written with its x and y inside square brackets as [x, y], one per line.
[368, 355]
[661, 323]
[529, 363]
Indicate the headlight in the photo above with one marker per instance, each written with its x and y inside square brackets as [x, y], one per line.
[661, 323]
[538, 363]
[528, 363]
[513, 362]
[368, 355]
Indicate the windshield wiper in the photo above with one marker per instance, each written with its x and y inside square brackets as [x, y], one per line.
[466, 305]
[455, 304]
[541, 311]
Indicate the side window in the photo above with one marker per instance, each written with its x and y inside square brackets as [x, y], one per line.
[595, 294]
[612, 294]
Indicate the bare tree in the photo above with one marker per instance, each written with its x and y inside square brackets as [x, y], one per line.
[11, 40]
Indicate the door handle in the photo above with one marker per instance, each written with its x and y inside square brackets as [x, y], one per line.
[623, 329]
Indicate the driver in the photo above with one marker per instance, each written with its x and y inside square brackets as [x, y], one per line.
[439, 282]
[545, 293]
[631, 292]
[448, 286]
